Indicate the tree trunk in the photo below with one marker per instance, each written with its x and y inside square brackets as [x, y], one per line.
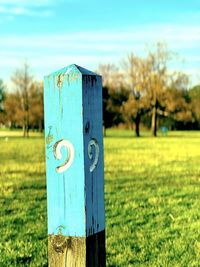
[154, 121]
[24, 128]
[26, 125]
[40, 126]
[104, 131]
[27, 131]
[137, 125]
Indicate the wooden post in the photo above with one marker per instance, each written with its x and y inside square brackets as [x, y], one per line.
[74, 168]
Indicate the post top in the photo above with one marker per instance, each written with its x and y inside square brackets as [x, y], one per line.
[73, 68]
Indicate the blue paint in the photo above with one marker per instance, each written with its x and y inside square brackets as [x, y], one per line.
[73, 111]
[92, 119]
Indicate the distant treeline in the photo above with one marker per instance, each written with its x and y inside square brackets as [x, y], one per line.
[141, 90]
[23, 107]
[144, 91]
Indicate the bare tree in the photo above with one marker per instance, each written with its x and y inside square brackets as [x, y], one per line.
[135, 78]
[108, 73]
[22, 80]
[178, 101]
[158, 79]
[114, 94]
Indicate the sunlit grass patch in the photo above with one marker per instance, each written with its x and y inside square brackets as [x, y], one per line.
[152, 189]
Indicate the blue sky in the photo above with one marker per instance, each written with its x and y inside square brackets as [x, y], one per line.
[54, 33]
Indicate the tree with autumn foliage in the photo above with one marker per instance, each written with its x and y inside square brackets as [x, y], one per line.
[177, 100]
[194, 94]
[22, 80]
[24, 105]
[147, 79]
[114, 94]
[158, 79]
[146, 87]
[136, 82]
[2, 99]
[13, 111]
[36, 106]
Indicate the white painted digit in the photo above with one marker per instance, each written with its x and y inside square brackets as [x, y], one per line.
[94, 143]
[70, 155]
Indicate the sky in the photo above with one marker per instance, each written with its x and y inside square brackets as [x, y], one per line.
[51, 34]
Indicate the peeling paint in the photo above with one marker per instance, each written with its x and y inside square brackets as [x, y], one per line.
[60, 227]
[49, 137]
[60, 80]
[68, 71]
[75, 76]
[68, 79]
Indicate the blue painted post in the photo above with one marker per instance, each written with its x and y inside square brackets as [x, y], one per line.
[74, 168]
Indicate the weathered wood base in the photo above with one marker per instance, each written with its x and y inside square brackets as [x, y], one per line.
[77, 251]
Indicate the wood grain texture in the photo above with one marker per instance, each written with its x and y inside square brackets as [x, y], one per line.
[66, 251]
[77, 251]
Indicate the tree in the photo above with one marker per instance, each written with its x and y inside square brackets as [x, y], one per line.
[108, 112]
[13, 111]
[22, 80]
[158, 79]
[177, 100]
[110, 75]
[2, 99]
[194, 94]
[36, 110]
[135, 78]
[14, 115]
[133, 110]
[114, 95]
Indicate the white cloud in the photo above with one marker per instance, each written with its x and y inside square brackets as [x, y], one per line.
[51, 51]
[18, 11]
[26, 3]
[118, 42]
[13, 8]
[36, 3]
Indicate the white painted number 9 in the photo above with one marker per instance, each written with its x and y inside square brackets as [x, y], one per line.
[70, 155]
[94, 143]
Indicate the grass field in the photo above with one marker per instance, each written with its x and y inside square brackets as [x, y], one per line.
[152, 197]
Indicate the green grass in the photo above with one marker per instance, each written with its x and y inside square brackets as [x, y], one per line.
[152, 197]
